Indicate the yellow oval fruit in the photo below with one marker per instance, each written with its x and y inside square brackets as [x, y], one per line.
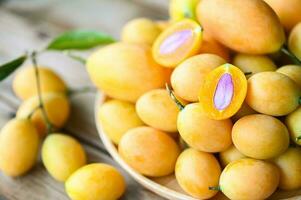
[260, 136]
[180, 9]
[294, 40]
[236, 24]
[272, 93]
[253, 63]
[25, 86]
[293, 124]
[288, 12]
[141, 31]
[187, 77]
[95, 182]
[158, 110]
[230, 155]
[149, 151]
[289, 164]
[192, 170]
[57, 108]
[126, 71]
[292, 71]
[62, 155]
[119, 111]
[238, 178]
[19, 143]
[201, 132]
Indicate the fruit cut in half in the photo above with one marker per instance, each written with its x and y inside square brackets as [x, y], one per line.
[223, 92]
[178, 42]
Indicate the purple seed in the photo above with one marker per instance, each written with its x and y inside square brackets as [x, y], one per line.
[174, 41]
[224, 92]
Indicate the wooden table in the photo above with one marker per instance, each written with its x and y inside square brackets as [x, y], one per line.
[30, 24]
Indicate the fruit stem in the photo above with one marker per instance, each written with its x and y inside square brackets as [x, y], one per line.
[292, 56]
[41, 104]
[71, 92]
[298, 138]
[173, 97]
[216, 188]
[75, 57]
[247, 73]
[33, 111]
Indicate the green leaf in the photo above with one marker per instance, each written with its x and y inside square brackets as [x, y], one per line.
[80, 39]
[8, 68]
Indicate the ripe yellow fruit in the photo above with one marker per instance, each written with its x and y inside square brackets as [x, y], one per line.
[292, 71]
[187, 78]
[149, 151]
[95, 182]
[294, 40]
[260, 136]
[230, 155]
[126, 71]
[180, 9]
[196, 171]
[25, 85]
[238, 178]
[57, 108]
[289, 164]
[140, 31]
[157, 109]
[293, 124]
[62, 155]
[119, 111]
[19, 143]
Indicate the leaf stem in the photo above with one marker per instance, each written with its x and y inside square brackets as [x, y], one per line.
[41, 104]
[298, 138]
[292, 56]
[216, 188]
[85, 89]
[174, 98]
[75, 57]
[33, 111]
[247, 73]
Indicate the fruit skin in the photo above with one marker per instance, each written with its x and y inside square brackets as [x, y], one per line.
[289, 164]
[202, 133]
[141, 31]
[230, 23]
[119, 111]
[272, 93]
[292, 71]
[293, 126]
[238, 178]
[126, 71]
[57, 108]
[24, 83]
[253, 63]
[229, 155]
[186, 39]
[260, 136]
[62, 155]
[244, 110]
[294, 41]
[192, 169]
[287, 11]
[163, 24]
[149, 151]
[207, 94]
[158, 110]
[180, 9]
[95, 181]
[187, 78]
[19, 143]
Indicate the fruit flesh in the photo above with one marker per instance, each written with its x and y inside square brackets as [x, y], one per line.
[178, 42]
[238, 178]
[25, 86]
[187, 78]
[62, 155]
[223, 92]
[96, 181]
[230, 23]
[126, 71]
[149, 151]
[119, 111]
[57, 109]
[260, 136]
[192, 169]
[19, 143]
[294, 41]
[264, 97]
[201, 132]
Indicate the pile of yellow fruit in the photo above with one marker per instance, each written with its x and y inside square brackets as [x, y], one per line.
[241, 122]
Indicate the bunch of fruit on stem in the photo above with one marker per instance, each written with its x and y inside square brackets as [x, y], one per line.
[232, 96]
